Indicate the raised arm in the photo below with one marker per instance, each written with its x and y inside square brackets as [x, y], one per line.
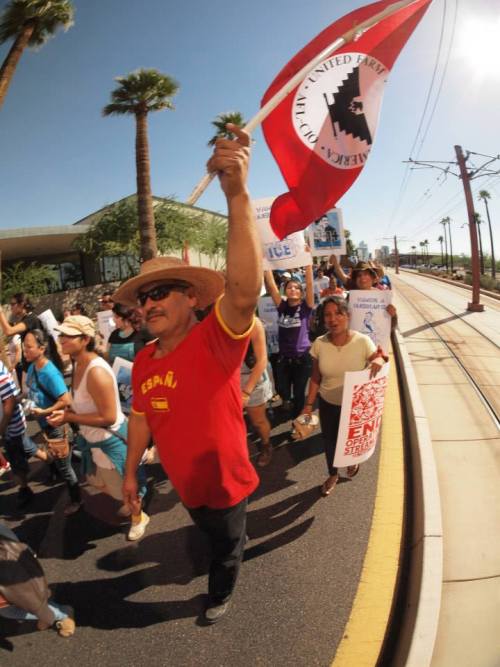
[243, 260]
[272, 288]
[9, 330]
[309, 286]
[338, 270]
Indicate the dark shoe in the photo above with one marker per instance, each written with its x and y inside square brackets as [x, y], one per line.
[352, 471]
[215, 611]
[329, 485]
[24, 496]
[73, 507]
[265, 456]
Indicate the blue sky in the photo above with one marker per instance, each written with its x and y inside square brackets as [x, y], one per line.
[61, 160]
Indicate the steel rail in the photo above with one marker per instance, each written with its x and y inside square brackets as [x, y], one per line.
[483, 398]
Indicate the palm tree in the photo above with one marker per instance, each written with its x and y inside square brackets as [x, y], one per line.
[485, 195]
[414, 248]
[426, 247]
[139, 93]
[220, 123]
[444, 222]
[30, 23]
[422, 246]
[481, 256]
[441, 241]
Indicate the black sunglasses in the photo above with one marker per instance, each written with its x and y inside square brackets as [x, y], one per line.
[160, 292]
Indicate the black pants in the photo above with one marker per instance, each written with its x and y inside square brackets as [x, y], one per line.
[329, 418]
[293, 374]
[226, 530]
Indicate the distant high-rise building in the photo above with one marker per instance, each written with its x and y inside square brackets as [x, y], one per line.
[363, 251]
[386, 251]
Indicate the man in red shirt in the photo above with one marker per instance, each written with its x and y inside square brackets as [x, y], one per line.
[186, 385]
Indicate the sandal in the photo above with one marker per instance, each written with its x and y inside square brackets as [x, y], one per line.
[352, 471]
[265, 456]
[327, 487]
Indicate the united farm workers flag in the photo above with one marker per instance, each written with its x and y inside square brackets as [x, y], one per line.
[321, 134]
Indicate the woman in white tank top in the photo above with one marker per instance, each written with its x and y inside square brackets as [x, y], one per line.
[97, 411]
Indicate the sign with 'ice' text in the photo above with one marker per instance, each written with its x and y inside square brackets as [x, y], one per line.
[361, 416]
[288, 253]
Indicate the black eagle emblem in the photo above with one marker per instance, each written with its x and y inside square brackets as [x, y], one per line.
[346, 110]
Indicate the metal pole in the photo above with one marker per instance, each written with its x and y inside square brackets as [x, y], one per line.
[396, 254]
[474, 305]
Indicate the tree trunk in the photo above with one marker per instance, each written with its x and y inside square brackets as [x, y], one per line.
[10, 63]
[481, 256]
[147, 232]
[493, 265]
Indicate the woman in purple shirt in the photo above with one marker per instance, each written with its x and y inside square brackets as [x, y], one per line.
[294, 362]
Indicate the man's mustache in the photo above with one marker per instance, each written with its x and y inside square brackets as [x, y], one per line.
[154, 313]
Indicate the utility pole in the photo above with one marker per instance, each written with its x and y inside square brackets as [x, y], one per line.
[474, 305]
[466, 177]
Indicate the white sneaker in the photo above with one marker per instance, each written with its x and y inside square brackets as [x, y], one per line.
[137, 530]
[5, 468]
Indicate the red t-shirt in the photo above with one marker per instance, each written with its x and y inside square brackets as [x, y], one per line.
[192, 402]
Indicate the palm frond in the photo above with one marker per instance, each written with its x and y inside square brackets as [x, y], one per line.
[47, 16]
[220, 122]
[143, 90]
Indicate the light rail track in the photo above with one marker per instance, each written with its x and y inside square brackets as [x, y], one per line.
[448, 333]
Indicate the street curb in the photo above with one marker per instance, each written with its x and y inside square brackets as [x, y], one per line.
[419, 624]
[365, 632]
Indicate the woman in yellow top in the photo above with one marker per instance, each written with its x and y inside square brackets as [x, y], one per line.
[338, 351]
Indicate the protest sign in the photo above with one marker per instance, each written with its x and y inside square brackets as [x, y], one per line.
[288, 253]
[361, 416]
[268, 313]
[105, 324]
[123, 373]
[326, 234]
[49, 321]
[369, 315]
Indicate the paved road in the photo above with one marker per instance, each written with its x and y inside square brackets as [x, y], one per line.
[141, 603]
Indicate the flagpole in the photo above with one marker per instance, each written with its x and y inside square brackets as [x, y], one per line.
[270, 105]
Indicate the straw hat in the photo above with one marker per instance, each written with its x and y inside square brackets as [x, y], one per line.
[363, 266]
[208, 284]
[77, 325]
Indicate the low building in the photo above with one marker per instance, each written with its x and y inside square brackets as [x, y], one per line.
[54, 247]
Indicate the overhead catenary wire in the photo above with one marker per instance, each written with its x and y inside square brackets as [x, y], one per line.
[443, 75]
[407, 172]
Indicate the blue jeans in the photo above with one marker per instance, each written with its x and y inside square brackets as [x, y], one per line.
[19, 449]
[18, 614]
[63, 466]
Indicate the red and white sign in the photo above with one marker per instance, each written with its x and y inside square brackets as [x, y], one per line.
[361, 416]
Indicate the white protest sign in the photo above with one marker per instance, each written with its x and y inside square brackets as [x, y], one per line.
[361, 416]
[49, 321]
[369, 315]
[105, 323]
[268, 313]
[288, 253]
[326, 234]
[123, 373]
